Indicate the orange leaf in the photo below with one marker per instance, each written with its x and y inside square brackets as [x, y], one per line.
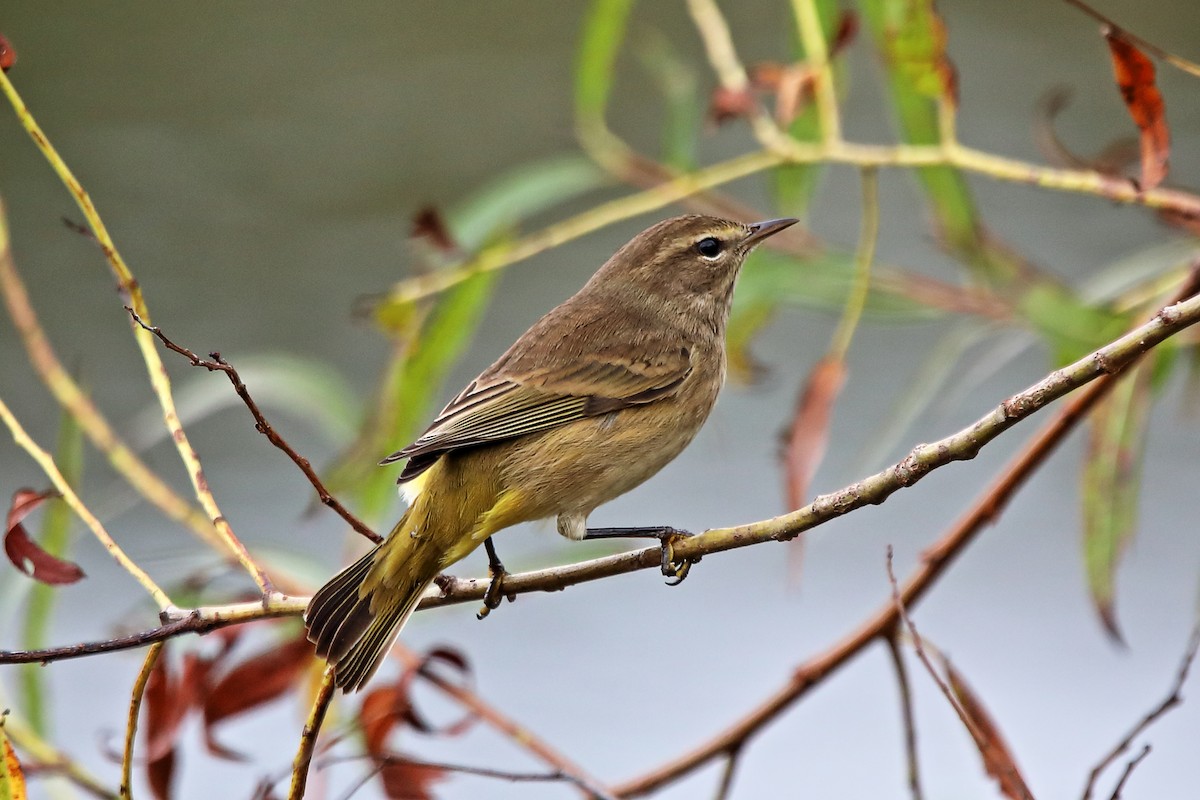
[997, 758]
[405, 780]
[1134, 73]
[252, 683]
[24, 553]
[808, 435]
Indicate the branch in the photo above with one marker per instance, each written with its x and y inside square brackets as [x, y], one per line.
[448, 590]
[218, 364]
[1173, 699]
[906, 712]
[135, 706]
[934, 561]
[308, 737]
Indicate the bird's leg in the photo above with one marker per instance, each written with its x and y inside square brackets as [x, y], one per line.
[675, 569]
[495, 590]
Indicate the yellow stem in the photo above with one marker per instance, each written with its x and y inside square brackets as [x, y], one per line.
[135, 707]
[146, 342]
[812, 36]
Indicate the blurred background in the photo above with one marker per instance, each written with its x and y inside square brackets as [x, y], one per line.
[260, 165]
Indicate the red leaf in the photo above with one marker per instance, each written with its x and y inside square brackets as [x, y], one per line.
[997, 758]
[404, 780]
[8, 56]
[387, 706]
[252, 683]
[24, 553]
[808, 435]
[1134, 73]
[429, 224]
[166, 706]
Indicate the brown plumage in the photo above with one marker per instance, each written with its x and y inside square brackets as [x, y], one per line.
[591, 401]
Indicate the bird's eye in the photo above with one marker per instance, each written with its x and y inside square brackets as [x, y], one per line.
[709, 247]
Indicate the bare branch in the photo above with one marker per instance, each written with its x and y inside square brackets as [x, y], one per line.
[218, 364]
[1173, 698]
[308, 737]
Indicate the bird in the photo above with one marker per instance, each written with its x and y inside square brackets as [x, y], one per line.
[595, 398]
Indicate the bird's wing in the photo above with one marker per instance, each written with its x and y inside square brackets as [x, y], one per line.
[507, 401]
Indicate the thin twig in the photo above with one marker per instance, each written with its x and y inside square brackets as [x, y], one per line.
[1190, 67]
[383, 759]
[875, 489]
[727, 773]
[1173, 698]
[131, 725]
[935, 560]
[308, 737]
[981, 741]
[513, 730]
[76, 402]
[1125, 773]
[906, 711]
[159, 382]
[219, 364]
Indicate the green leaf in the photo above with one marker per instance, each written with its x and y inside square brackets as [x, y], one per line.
[771, 281]
[407, 395]
[603, 32]
[1111, 484]
[677, 82]
[1071, 327]
[910, 39]
[305, 388]
[55, 540]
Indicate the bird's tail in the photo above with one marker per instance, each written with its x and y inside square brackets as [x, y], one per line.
[354, 618]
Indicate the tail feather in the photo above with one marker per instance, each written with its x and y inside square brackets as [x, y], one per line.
[363, 658]
[355, 617]
[337, 616]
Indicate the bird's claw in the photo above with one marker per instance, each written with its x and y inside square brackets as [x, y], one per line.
[674, 569]
[495, 592]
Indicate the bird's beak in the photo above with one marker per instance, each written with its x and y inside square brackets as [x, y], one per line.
[761, 230]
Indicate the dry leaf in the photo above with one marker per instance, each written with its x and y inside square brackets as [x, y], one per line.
[808, 435]
[997, 758]
[1134, 73]
[256, 681]
[24, 553]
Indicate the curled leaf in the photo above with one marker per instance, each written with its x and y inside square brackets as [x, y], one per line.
[1134, 73]
[24, 553]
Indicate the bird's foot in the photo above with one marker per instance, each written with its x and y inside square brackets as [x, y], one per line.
[495, 591]
[673, 568]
